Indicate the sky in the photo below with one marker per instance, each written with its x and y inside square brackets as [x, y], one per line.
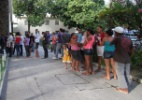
[107, 2]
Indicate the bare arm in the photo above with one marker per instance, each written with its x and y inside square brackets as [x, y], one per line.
[103, 42]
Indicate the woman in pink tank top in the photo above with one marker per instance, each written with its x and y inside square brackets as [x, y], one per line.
[88, 52]
[75, 50]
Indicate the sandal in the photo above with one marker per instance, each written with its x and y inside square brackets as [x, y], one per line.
[85, 73]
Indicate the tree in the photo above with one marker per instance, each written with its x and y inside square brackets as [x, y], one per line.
[4, 17]
[58, 8]
[84, 12]
[123, 13]
[34, 10]
[75, 13]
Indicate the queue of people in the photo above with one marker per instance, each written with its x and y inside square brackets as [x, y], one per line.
[77, 50]
[115, 51]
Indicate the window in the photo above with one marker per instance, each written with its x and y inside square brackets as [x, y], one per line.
[56, 22]
[26, 22]
[47, 22]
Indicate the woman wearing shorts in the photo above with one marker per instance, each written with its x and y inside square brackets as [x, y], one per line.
[88, 52]
[108, 53]
[75, 52]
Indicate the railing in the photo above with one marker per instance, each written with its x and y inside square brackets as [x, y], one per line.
[2, 66]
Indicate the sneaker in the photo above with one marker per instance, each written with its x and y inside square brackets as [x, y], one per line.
[55, 58]
[60, 58]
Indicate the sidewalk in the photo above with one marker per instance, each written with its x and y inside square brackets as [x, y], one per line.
[46, 79]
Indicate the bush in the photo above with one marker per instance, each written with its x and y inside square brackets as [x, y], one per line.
[136, 59]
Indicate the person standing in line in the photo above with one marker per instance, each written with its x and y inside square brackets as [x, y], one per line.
[2, 43]
[37, 40]
[9, 44]
[66, 57]
[75, 52]
[108, 54]
[88, 51]
[45, 44]
[122, 57]
[59, 44]
[54, 42]
[17, 43]
[32, 41]
[27, 46]
[21, 45]
[100, 49]
[79, 36]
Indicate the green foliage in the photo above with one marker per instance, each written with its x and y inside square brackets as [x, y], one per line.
[75, 13]
[136, 59]
[125, 13]
[34, 10]
[81, 12]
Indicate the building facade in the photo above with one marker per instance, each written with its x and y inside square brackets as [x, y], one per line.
[51, 25]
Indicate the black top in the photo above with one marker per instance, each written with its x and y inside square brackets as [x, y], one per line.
[123, 49]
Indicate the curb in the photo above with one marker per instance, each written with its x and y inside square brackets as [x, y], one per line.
[136, 79]
[3, 78]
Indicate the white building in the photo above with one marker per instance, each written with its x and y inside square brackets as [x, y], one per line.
[51, 25]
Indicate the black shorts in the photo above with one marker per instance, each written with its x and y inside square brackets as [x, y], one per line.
[108, 54]
[75, 55]
[88, 52]
[36, 45]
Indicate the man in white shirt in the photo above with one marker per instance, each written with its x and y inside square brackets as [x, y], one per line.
[9, 44]
[37, 40]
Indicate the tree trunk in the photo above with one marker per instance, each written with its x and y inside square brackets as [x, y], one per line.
[4, 17]
[29, 26]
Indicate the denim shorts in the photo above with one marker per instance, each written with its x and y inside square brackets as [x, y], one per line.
[88, 51]
[36, 45]
[108, 54]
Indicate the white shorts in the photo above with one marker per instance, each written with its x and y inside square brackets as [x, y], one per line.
[100, 51]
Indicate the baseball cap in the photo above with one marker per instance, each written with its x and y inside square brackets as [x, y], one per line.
[118, 29]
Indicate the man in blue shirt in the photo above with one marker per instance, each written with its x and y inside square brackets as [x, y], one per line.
[59, 44]
[79, 35]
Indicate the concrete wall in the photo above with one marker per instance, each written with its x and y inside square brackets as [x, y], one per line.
[22, 27]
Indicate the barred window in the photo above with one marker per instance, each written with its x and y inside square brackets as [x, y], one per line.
[47, 22]
[56, 22]
[26, 22]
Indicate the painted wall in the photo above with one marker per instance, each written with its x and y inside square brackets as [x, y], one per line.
[22, 27]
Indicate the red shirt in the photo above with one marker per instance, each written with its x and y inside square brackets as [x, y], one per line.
[54, 39]
[17, 40]
[102, 35]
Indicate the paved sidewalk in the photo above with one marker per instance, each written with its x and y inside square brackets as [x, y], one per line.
[46, 79]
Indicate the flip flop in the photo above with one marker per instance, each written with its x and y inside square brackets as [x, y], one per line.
[85, 74]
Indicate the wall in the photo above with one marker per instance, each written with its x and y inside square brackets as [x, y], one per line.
[21, 27]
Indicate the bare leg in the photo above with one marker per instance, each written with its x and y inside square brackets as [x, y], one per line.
[87, 60]
[37, 54]
[77, 66]
[99, 63]
[107, 63]
[91, 65]
[66, 65]
[73, 64]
